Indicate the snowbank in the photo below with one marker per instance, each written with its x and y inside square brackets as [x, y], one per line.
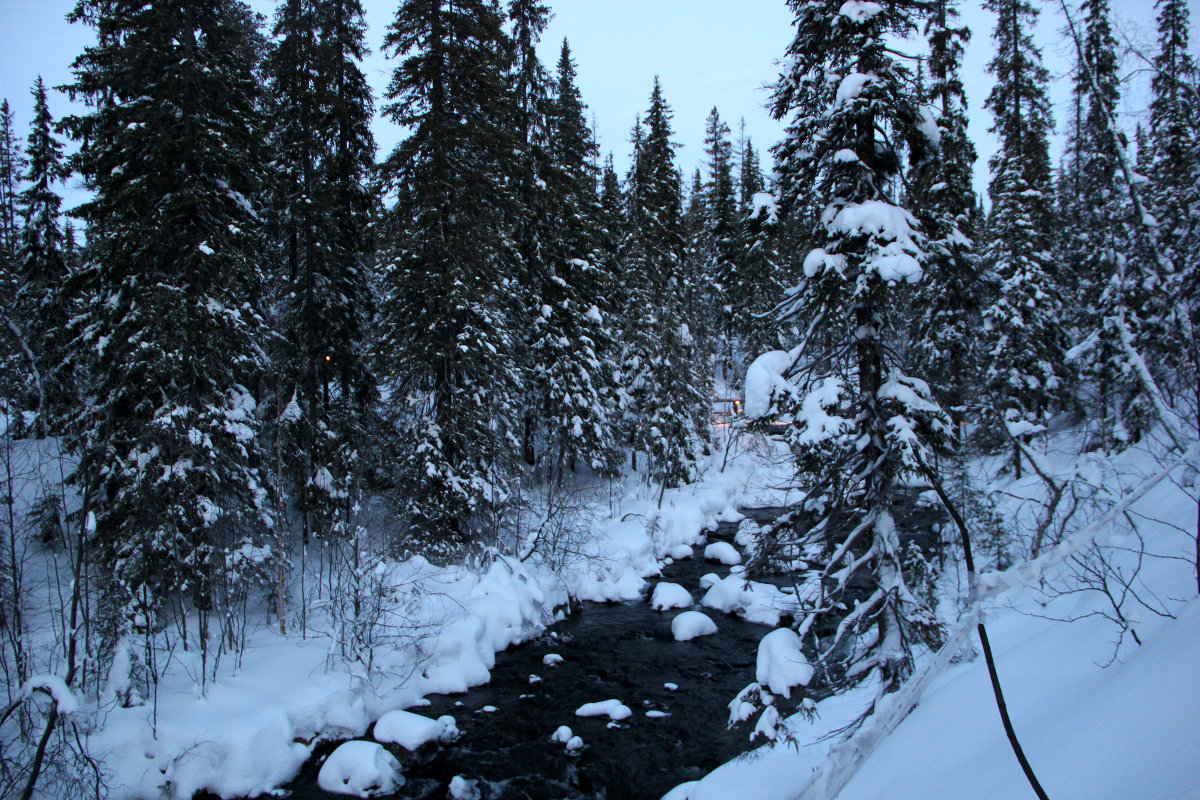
[1102, 732]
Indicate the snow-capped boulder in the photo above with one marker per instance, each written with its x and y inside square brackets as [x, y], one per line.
[723, 553]
[692, 624]
[360, 769]
[670, 595]
[410, 730]
[781, 666]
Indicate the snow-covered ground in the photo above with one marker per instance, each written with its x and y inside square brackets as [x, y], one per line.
[252, 728]
[1096, 720]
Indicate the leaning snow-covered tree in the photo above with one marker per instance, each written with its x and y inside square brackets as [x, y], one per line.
[858, 424]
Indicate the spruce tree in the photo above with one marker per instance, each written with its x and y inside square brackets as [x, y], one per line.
[14, 356]
[667, 381]
[321, 215]
[42, 266]
[447, 347]
[168, 435]
[1024, 337]
[573, 347]
[718, 246]
[859, 424]
[944, 201]
[1120, 284]
[12, 164]
[1173, 166]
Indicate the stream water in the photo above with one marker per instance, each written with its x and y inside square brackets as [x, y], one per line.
[615, 650]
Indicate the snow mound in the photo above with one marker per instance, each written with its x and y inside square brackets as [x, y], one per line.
[753, 601]
[781, 665]
[670, 595]
[724, 553]
[562, 735]
[765, 377]
[747, 533]
[360, 769]
[708, 579]
[680, 552]
[552, 660]
[410, 730]
[57, 688]
[692, 624]
[463, 789]
[613, 709]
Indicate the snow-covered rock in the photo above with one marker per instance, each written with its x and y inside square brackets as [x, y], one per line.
[463, 789]
[747, 533]
[753, 601]
[360, 769]
[708, 579]
[613, 709]
[781, 666]
[680, 552]
[670, 595]
[724, 553]
[552, 660]
[692, 624]
[410, 730]
[562, 735]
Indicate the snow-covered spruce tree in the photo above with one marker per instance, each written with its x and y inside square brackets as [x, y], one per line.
[860, 424]
[1173, 166]
[947, 305]
[1024, 340]
[12, 164]
[321, 213]
[1120, 287]
[717, 243]
[532, 231]
[760, 280]
[573, 347]
[668, 383]
[446, 345]
[14, 359]
[42, 265]
[612, 224]
[168, 436]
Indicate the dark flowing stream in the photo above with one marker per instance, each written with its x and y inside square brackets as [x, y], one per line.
[614, 650]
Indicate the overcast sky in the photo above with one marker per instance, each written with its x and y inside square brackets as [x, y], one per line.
[706, 52]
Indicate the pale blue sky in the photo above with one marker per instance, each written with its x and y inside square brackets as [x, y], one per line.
[707, 52]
